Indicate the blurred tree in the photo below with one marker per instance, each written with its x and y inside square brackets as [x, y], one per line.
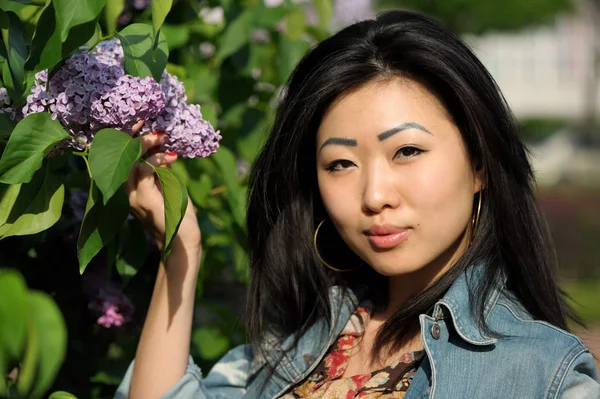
[476, 16]
[590, 9]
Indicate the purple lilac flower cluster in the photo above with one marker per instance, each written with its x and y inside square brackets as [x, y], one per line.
[188, 134]
[5, 102]
[108, 303]
[87, 95]
[91, 92]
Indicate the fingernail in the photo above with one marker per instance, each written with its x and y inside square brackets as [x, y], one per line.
[171, 154]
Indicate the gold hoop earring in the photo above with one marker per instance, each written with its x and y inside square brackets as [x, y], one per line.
[475, 220]
[335, 269]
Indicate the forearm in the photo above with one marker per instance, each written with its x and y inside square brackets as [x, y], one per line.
[164, 347]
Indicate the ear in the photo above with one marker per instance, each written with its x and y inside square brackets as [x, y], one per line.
[479, 180]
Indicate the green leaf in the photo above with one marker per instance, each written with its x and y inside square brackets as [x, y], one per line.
[236, 35]
[160, 9]
[8, 81]
[133, 250]
[176, 35]
[225, 159]
[100, 223]
[31, 140]
[296, 24]
[113, 9]
[80, 35]
[199, 190]
[37, 206]
[290, 53]
[211, 342]
[112, 155]
[45, 46]
[140, 57]
[51, 330]
[8, 197]
[30, 361]
[62, 395]
[70, 13]
[13, 314]
[13, 34]
[176, 198]
[3, 372]
[7, 125]
[324, 11]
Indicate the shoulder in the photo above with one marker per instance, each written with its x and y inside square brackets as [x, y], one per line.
[509, 316]
[538, 346]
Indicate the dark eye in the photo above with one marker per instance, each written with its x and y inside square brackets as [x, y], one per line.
[408, 152]
[340, 164]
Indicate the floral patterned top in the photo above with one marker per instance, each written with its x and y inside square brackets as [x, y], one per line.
[389, 382]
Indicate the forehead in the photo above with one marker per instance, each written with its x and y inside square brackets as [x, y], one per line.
[377, 106]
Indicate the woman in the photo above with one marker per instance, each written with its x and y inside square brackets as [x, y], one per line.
[396, 247]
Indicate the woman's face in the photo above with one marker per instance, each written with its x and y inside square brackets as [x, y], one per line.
[395, 178]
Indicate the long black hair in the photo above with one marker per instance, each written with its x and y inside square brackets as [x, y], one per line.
[289, 286]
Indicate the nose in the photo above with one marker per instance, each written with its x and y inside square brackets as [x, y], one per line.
[380, 190]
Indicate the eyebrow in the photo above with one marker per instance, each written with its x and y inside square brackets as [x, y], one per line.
[405, 126]
[339, 140]
[381, 136]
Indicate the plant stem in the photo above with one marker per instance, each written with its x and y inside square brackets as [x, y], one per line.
[84, 155]
[87, 164]
[101, 38]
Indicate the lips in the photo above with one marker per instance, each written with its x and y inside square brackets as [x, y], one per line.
[386, 236]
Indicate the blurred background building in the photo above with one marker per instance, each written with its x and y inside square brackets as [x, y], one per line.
[548, 73]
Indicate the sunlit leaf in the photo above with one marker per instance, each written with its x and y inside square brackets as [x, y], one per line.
[70, 13]
[100, 224]
[38, 206]
[45, 45]
[111, 157]
[160, 9]
[52, 334]
[13, 313]
[175, 198]
[31, 140]
[113, 9]
[141, 59]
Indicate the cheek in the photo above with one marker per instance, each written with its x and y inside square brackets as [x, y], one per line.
[340, 201]
[442, 193]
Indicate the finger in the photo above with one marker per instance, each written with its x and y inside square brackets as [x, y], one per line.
[162, 159]
[131, 182]
[146, 178]
[137, 127]
[151, 141]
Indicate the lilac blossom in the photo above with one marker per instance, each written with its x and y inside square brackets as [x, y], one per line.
[207, 49]
[108, 303]
[141, 4]
[212, 15]
[92, 91]
[6, 103]
[131, 99]
[188, 134]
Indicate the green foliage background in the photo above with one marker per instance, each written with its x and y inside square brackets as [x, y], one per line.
[234, 68]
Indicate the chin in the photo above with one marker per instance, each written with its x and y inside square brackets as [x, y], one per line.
[397, 267]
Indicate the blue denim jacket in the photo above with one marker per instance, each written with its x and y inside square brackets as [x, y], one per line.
[533, 359]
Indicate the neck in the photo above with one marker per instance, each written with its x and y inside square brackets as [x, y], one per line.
[403, 287]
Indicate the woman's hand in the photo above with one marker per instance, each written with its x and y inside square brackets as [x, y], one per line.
[146, 198]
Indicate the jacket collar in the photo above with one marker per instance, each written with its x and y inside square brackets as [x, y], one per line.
[458, 300]
[343, 301]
